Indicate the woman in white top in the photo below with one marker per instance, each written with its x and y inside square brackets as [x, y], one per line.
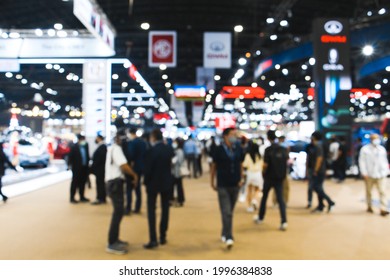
[253, 164]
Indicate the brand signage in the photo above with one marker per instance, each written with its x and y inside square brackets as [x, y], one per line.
[9, 65]
[217, 50]
[189, 92]
[162, 48]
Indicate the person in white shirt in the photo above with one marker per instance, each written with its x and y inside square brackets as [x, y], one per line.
[374, 168]
[116, 167]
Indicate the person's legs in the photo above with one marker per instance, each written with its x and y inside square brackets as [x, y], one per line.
[263, 205]
[115, 192]
[100, 188]
[319, 188]
[180, 190]
[1, 192]
[278, 187]
[369, 184]
[164, 216]
[83, 180]
[310, 189]
[382, 193]
[138, 195]
[74, 184]
[225, 208]
[249, 195]
[152, 197]
[286, 190]
[129, 194]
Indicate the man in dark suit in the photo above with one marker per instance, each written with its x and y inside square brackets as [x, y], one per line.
[78, 162]
[158, 180]
[98, 169]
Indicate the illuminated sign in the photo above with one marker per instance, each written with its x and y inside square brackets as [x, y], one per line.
[189, 92]
[333, 39]
[242, 92]
[358, 93]
[162, 48]
[262, 67]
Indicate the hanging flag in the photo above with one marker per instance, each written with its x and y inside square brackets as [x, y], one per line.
[217, 50]
[162, 48]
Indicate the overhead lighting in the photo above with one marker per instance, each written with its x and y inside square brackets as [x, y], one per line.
[211, 91]
[385, 81]
[115, 76]
[168, 84]
[382, 11]
[312, 61]
[242, 61]
[75, 33]
[62, 34]
[239, 74]
[145, 26]
[75, 78]
[61, 70]
[8, 75]
[4, 35]
[254, 85]
[277, 66]
[388, 68]
[124, 84]
[58, 26]
[217, 77]
[234, 82]
[163, 67]
[307, 78]
[285, 71]
[14, 35]
[248, 55]
[19, 76]
[38, 32]
[164, 77]
[171, 91]
[24, 81]
[368, 50]
[132, 90]
[273, 37]
[312, 84]
[51, 32]
[284, 23]
[56, 67]
[378, 86]
[49, 66]
[238, 28]
[272, 83]
[258, 52]
[293, 86]
[304, 67]
[270, 20]
[369, 13]
[263, 78]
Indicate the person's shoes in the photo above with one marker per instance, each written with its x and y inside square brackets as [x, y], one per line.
[5, 198]
[257, 220]
[229, 244]
[330, 206]
[74, 201]
[84, 199]
[163, 241]
[308, 206]
[283, 227]
[151, 245]
[384, 213]
[97, 202]
[127, 212]
[317, 210]
[116, 248]
[123, 243]
[250, 209]
[223, 239]
[137, 211]
[369, 210]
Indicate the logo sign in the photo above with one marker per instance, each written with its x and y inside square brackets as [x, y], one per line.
[333, 27]
[333, 58]
[217, 50]
[162, 48]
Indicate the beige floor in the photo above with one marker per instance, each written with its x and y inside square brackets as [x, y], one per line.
[44, 225]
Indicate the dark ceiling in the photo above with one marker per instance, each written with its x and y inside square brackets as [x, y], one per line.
[190, 19]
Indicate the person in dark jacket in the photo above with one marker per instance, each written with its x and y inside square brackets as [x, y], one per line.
[4, 161]
[78, 162]
[98, 169]
[158, 181]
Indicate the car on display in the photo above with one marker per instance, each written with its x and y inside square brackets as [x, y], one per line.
[31, 154]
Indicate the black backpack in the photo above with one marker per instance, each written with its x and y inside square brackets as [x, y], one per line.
[277, 162]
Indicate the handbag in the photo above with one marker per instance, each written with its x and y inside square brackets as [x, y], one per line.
[184, 171]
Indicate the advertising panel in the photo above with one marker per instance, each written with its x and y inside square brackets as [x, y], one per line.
[190, 92]
[217, 50]
[162, 48]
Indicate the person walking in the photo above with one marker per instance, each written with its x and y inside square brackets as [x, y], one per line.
[4, 163]
[228, 171]
[254, 179]
[158, 181]
[98, 169]
[178, 163]
[190, 151]
[274, 173]
[316, 172]
[374, 168]
[78, 162]
[115, 167]
[286, 183]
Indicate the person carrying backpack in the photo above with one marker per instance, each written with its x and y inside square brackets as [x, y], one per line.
[274, 173]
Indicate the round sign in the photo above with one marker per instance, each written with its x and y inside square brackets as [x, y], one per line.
[162, 49]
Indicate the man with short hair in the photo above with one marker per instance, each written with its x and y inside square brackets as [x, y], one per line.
[116, 165]
[274, 173]
[374, 168]
[227, 169]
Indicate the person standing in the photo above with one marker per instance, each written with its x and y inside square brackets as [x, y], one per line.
[374, 168]
[286, 183]
[341, 161]
[4, 163]
[190, 151]
[228, 171]
[115, 166]
[78, 161]
[158, 181]
[316, 172]
[98, 169]
[274, 173]
[358, 147]
[136, 150]
[178, 161]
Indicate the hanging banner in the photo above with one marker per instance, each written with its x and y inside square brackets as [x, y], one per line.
[332, 75]
[205, 77]
[197, 112]
[9, 65]
[180, 109]
[217, 50]
[162, 48]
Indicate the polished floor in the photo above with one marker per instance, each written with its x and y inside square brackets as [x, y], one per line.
[44, 225]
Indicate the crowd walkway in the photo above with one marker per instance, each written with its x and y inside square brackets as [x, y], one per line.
[44, 225]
